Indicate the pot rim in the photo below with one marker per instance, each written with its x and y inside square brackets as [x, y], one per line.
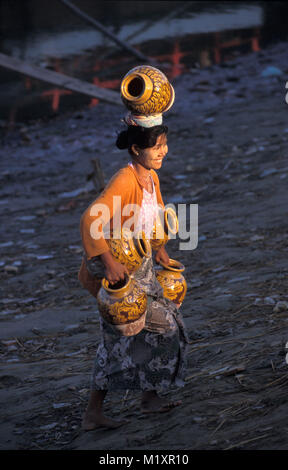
[170, 210]
[173, 265]
[141, 235]
[105, 284]
[132, 239]
[147, 87]
[125, 83]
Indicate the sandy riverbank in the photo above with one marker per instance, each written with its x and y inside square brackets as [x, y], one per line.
[228, 143]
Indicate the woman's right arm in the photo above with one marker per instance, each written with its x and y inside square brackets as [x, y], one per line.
[96, 217]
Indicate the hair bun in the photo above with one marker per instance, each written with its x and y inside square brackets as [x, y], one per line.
[122, 140]
[143, 137]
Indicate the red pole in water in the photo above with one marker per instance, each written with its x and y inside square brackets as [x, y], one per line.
[176, 56]
[217, 55]
[255, 41]
[56, 94]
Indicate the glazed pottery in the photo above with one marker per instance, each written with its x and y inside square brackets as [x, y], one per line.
[146, 90]
[166, 224]
[123, 305]
[172, 280]
[130, 249]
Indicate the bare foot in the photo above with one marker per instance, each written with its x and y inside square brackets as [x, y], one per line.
[92, 420]
[152, 403]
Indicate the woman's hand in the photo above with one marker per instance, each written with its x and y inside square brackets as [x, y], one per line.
[113, 270]
[162, 256]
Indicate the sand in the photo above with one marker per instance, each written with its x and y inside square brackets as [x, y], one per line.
[228, 143]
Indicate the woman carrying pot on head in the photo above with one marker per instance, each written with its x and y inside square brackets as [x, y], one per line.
[153, 360]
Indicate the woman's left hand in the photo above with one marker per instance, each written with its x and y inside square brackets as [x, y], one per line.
[162, 256]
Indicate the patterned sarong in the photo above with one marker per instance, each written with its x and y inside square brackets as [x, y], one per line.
[155, 358]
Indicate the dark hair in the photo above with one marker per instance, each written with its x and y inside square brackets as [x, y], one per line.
[143, 137]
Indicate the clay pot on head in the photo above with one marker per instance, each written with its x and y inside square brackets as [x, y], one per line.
[130, 249]
[146, 90]
[166, 225]
[172, 281]
[123, 306]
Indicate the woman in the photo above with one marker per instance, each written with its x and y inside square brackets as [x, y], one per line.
[153, 360]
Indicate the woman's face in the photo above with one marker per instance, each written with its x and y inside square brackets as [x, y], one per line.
[152, 157]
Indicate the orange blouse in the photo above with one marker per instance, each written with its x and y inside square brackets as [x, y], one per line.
[126, 184]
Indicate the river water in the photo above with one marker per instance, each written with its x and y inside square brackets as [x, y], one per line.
[179, 35]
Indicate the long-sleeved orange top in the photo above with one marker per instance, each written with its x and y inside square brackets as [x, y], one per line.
[106, 213]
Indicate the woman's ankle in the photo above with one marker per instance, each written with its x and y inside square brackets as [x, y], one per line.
[96, 400]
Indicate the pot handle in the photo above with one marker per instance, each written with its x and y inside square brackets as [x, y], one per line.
[173, 265]
[175, 224]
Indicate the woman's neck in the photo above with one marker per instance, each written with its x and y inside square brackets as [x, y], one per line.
[142, 171]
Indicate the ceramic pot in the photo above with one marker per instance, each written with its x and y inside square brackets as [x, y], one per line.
[172, 281]
[146, 90]
[123, 305]
[166, 224]
[130, 250]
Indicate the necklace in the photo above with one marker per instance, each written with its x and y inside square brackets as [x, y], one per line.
[146, 179]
